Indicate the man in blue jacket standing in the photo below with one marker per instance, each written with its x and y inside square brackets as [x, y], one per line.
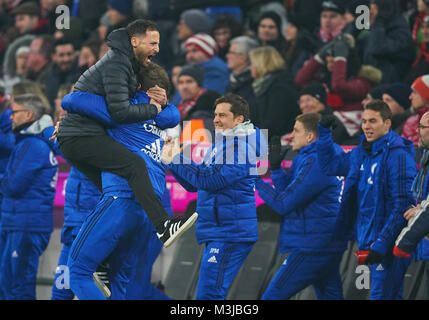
[225, 180]
[308, 202]
[379, 174]
[28, 188]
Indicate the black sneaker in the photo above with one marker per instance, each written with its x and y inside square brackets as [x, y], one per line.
[101, 279]
[175, 227]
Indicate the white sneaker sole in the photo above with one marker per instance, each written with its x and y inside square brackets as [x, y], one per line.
[100, 284]
[182, 229]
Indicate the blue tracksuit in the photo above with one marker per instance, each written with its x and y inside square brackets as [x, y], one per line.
[140, 287]
[226, 204]
[376, 194]
[7, 142]
[309, 203]
[81, 197]
[118, 225]
[28, 187]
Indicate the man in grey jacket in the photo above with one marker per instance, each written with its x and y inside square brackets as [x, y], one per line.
[85, 143]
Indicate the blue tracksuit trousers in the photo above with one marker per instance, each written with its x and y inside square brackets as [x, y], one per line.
[219, 265]
[19, 263]
[387, 278]
[301, 269]
[113, 230]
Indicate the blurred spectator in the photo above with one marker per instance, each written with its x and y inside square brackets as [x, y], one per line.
[64, 89]
[337, 66]
[32, 87]
[191, 22]
[332, 20]
[307, 12]
[397, 97]
[203, 109]
[190, 85]
[28, 187]
[119, 13]
[88, 54]
[390, 45]
[39, 59]
[417, 32]
[375, 93]
[300, 44]
[201, 49]
[270, 31]
[421, 65]
[313, 99]
[28, 19]
[223, 30]
[239, 63]
[275, 92]
[20, 68]
[89, 12]
[360, 34]
[175, 71]
[420, 103]
[64, 68]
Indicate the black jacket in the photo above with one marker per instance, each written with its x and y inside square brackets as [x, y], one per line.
[242, 85]
[55, 78]
[115, 78]
[277, 106]
[390, 47]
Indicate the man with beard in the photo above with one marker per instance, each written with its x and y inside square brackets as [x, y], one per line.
[84, 141]
[64, 68]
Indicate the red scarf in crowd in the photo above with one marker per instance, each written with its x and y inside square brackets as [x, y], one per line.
[185, 106]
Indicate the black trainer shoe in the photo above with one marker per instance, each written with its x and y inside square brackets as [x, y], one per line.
[175, 227]
[101, 279]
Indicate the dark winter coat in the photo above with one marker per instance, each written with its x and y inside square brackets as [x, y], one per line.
[115, 78]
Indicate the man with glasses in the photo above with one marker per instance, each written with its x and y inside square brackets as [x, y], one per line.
[28, 188]
[238, 62]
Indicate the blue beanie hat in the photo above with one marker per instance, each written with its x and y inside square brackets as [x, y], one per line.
[122, 6]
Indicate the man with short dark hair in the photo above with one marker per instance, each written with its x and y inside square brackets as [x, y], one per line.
[308, 201]
[28, 188]
[379, 174]
[225, 180]
[84, 141]
[64, 68]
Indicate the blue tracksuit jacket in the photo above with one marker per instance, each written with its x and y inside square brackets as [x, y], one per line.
[225, 185]
[309, 202]
[28, 185]
[377, 190]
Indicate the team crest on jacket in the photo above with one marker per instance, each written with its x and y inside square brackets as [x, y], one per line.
[370, 181]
